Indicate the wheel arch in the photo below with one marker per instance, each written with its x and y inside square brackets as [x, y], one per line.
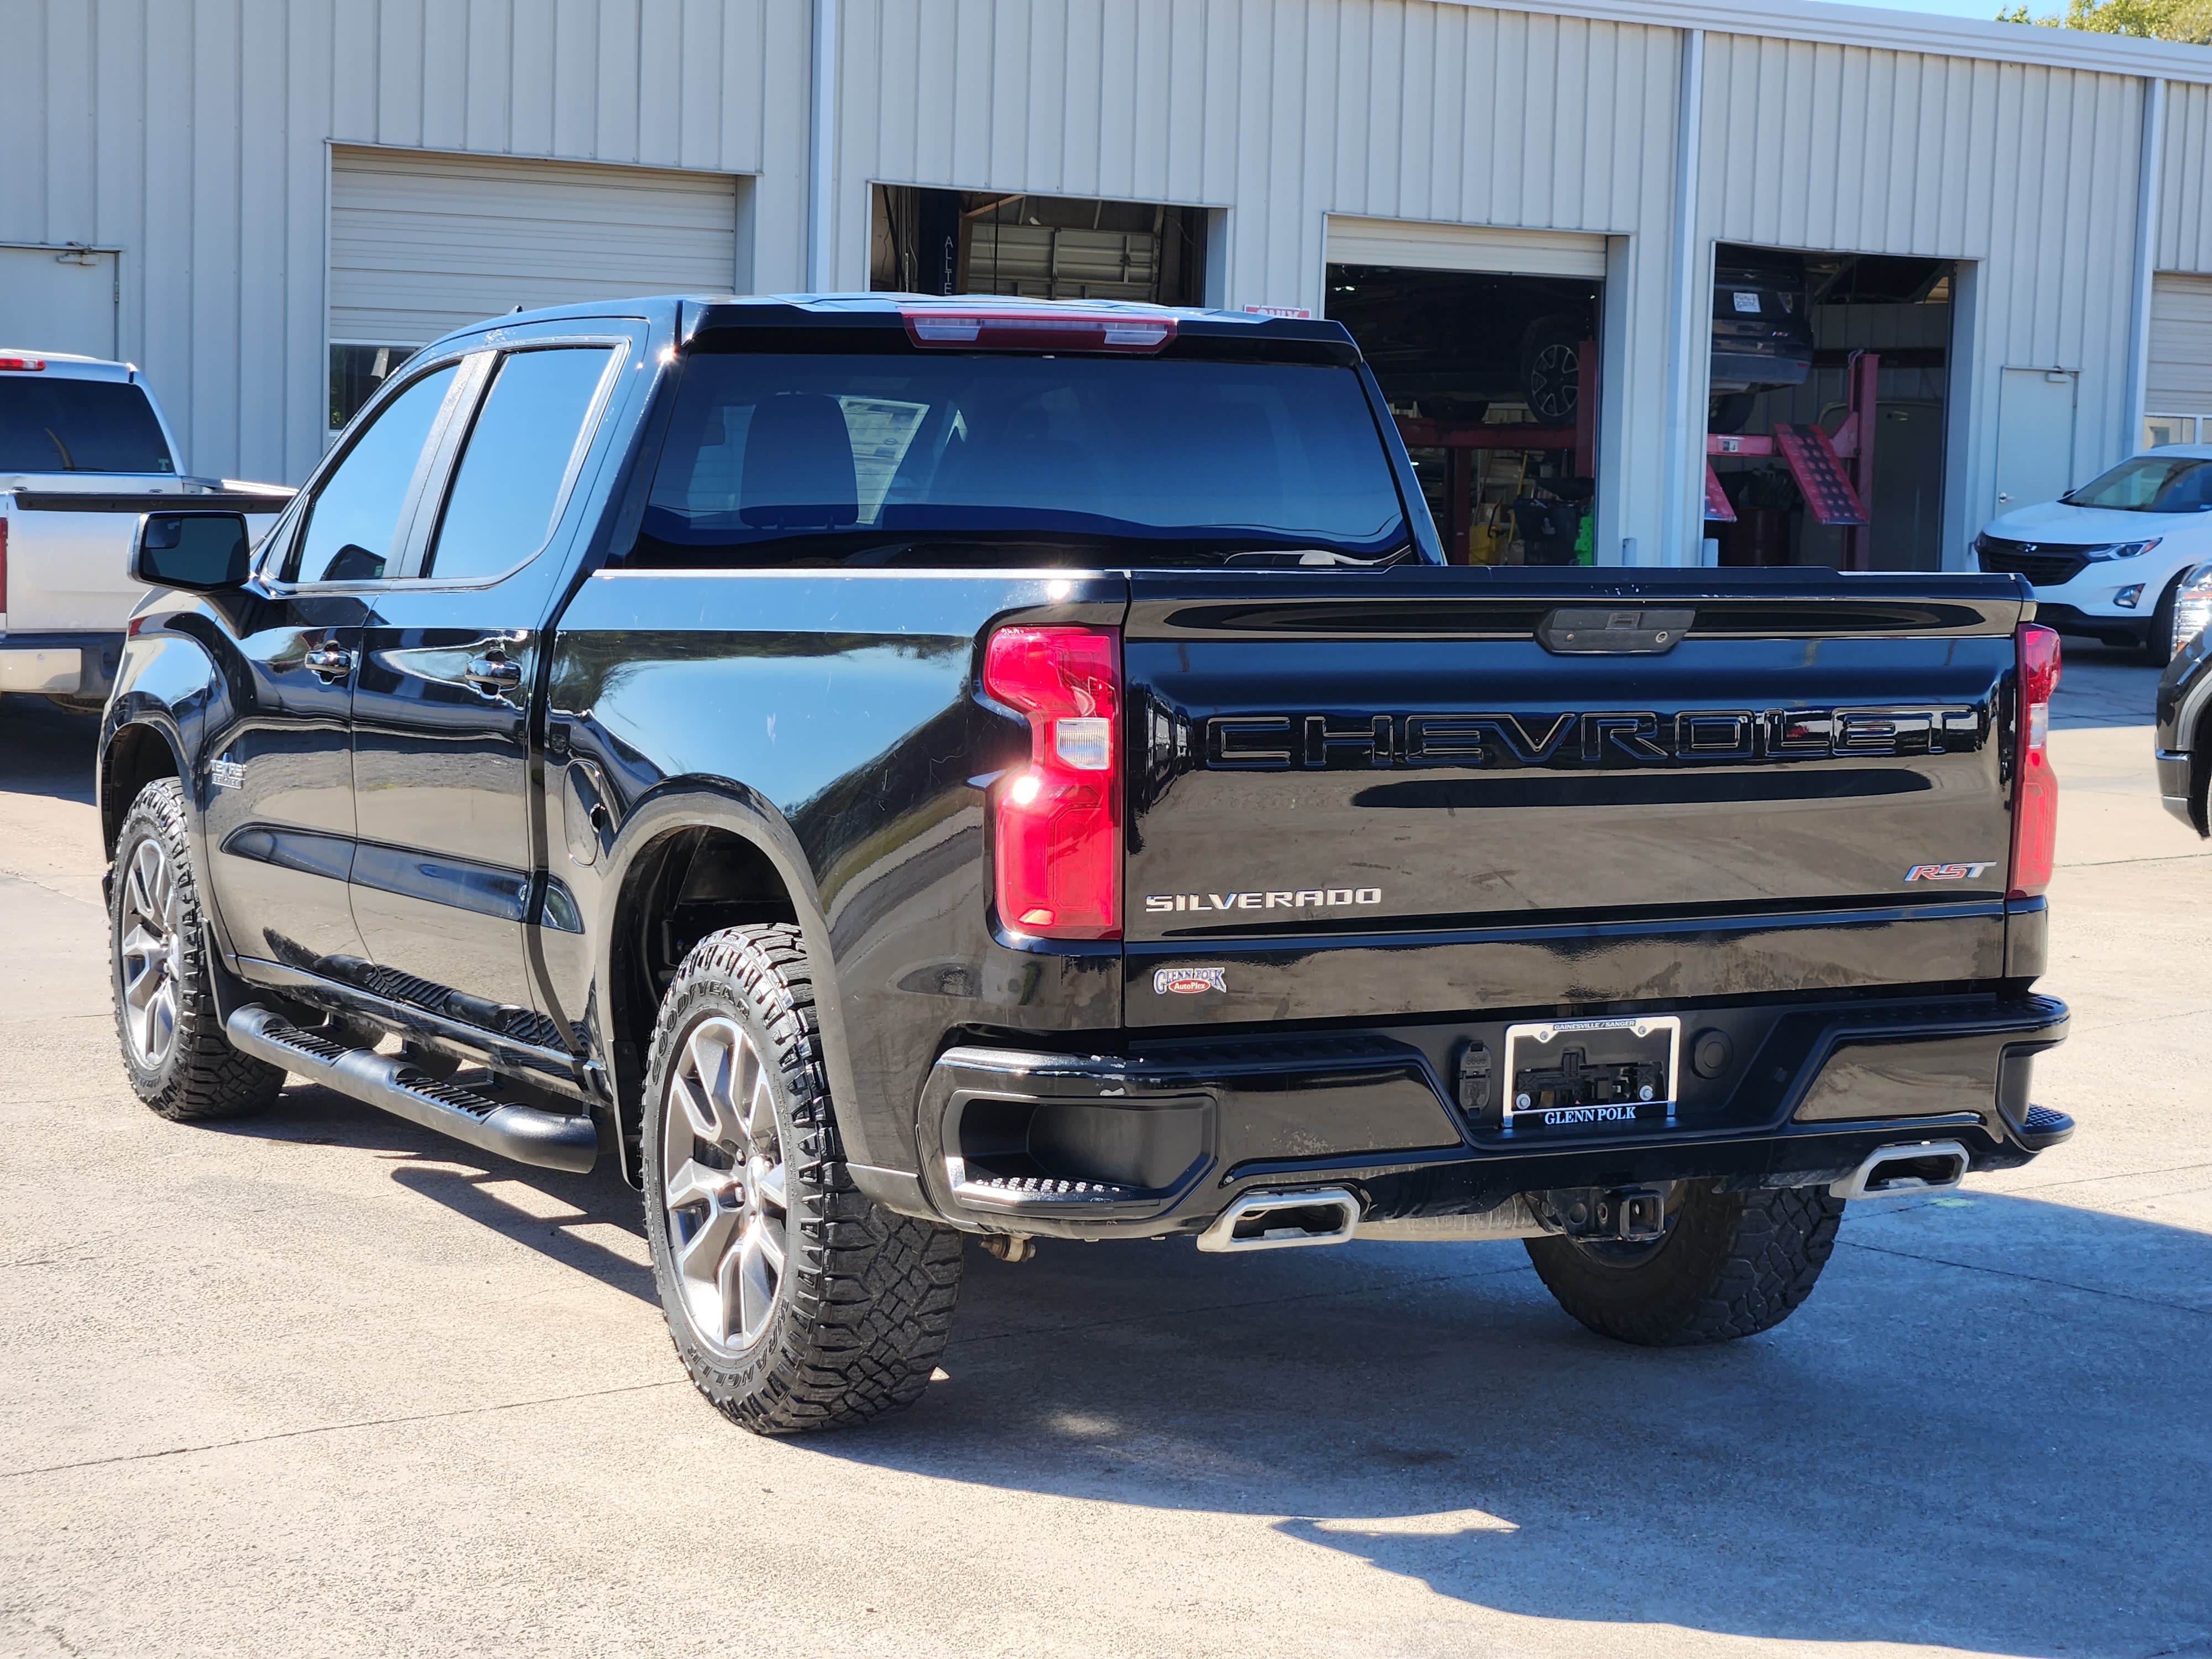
[143, 750]
[694, 856]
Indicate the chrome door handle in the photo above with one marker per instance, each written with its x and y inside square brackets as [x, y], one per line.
[493, 674]
[329, 662]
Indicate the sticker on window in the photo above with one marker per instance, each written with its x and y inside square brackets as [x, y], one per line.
[1747, 302]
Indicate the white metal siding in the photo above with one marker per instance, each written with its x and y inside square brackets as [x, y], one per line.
[2028, 173]
[2180, 377]
[1465, 247]
[1284, 112]
[193, 138]
[422, 243]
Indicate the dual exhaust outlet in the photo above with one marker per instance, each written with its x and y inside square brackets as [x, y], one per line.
[1286, 1220]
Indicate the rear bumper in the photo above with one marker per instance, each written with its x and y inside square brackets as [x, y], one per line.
[1162, 1138]
[2126, 632]
[80, 666]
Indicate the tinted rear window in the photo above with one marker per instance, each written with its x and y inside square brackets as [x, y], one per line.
[800, 458]
[56, 425]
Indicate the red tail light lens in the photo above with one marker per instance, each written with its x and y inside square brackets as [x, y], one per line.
[1057, 822]
[2035, 786]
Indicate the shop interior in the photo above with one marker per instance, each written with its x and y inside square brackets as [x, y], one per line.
[1493, 379]
[1044, 247]
[1828, 367]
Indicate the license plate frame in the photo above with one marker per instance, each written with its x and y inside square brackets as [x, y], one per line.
[1634, 1040]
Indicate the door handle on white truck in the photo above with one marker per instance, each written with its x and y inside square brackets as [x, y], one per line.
[329, 662]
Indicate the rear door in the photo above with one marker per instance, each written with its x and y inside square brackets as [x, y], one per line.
[443, 879]
[1437, 790]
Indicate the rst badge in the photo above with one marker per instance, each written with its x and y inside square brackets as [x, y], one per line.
[1948, 871]
[1186, 982]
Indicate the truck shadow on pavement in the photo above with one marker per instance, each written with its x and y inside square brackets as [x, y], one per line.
[45, 750]
[1972, 1435]
[1985, 1431]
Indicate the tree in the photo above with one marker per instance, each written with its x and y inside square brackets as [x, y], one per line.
[2150, 20]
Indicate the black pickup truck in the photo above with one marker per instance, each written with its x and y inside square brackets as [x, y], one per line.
[880, 769]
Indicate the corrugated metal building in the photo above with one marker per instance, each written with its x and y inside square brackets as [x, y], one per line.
[254, 198]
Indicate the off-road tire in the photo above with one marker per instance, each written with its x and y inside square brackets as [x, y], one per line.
[202, 1076]
[864, 1301]
[1730, 1265]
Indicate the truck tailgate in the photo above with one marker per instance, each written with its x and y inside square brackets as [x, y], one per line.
[1547, 788]
[69, 550]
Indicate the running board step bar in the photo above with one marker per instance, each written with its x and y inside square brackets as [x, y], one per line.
[527, 1135]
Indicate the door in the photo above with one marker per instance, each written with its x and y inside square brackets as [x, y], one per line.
[57, 299]
[280, 813]
[442, 878]
[2035, 437]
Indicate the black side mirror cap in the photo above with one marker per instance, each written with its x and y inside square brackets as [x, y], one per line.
[193, 552]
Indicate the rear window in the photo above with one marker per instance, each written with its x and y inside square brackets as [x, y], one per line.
[2150, 483]
[779, 459]
[50, 424]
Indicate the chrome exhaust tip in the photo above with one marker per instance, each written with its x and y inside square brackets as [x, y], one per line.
[1283, 1220]
[1921, 1166]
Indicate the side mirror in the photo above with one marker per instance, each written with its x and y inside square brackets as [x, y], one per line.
[195, 552]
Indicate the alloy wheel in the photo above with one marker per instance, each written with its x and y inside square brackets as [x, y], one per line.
[722, 1169]
[146, 955]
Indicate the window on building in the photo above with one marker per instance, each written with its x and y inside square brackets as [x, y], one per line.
[357, 371]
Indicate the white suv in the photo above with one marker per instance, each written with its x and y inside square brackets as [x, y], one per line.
[2108, 559]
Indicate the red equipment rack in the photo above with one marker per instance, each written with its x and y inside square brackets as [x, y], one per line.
[1836, 475]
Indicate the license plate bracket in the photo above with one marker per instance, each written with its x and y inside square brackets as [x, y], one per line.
[1592, 1075]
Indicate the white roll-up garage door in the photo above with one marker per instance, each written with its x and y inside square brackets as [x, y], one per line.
[2178, 390]
[422, 242]
[1421, 244]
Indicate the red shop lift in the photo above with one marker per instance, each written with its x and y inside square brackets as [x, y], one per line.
[1835, 475]
[1461, 439]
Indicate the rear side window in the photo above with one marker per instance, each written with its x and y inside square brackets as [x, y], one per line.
[776, 458]
[51, 424]
[353, 524]
[528, 438]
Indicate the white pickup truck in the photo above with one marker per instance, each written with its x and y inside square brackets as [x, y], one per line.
[83, 452]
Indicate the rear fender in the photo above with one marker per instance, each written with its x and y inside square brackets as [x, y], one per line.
[718, 803]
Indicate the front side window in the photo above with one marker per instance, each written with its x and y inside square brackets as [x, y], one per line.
[353, 524]
[2150, 483]
[49, 424]
[780, 459]
[528, 437]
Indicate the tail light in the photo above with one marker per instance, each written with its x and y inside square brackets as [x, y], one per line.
[1057, 822]
[2192, 608]
[2035, 786]
[1037, 328]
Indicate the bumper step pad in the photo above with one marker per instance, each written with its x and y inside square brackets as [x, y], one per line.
[2045, 1128]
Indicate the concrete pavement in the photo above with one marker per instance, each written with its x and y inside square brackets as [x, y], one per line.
[324, 1383]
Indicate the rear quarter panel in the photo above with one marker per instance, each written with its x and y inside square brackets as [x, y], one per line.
[834, 721]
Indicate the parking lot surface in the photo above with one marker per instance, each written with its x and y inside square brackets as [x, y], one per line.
[321, 1382]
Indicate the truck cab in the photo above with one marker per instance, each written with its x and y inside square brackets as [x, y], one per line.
[882, 771]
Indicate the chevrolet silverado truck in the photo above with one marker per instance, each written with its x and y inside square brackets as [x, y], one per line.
[84, 451]
[880, 769]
